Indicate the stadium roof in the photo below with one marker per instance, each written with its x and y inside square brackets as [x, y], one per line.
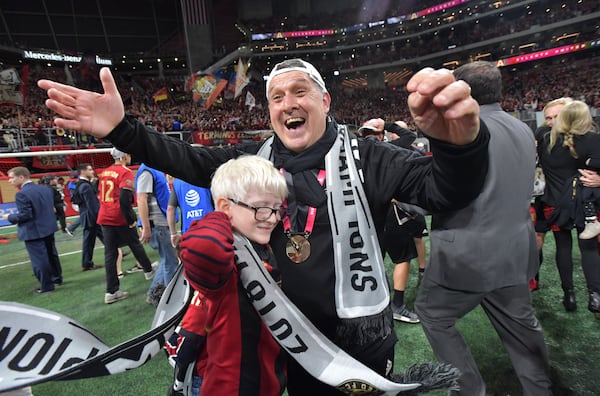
[105, 27]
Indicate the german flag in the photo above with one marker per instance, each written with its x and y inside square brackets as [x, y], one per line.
[161, 94]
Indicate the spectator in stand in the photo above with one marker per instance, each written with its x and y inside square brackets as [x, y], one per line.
[36, 225]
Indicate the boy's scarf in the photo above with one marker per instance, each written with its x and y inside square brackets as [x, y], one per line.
[319, 356]
[360, 282]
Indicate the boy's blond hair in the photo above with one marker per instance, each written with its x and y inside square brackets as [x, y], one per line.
[235, 178]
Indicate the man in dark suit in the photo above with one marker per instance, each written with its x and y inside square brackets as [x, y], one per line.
[486, 253]
[36, 223]
[85, 196]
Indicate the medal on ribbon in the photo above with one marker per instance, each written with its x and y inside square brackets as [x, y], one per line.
[297, 247]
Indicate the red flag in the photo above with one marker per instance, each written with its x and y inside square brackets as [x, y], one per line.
[207, 89]
[215, 93]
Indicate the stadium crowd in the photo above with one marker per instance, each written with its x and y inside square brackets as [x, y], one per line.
[526, 88]
[435, 33]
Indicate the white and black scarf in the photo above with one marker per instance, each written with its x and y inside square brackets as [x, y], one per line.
[355, 244]
[319, 356]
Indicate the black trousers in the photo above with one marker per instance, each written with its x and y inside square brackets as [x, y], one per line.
[115, 237]
[88, 244]
[590, 260]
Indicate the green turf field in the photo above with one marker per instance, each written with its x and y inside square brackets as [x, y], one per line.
[573, 338]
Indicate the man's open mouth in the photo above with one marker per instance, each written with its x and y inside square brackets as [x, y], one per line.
[292, 123]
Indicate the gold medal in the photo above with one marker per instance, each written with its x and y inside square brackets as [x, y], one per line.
[297, 248]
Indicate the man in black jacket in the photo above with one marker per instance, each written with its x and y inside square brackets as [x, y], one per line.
[326, 227]
[59, 203]
[86, 197]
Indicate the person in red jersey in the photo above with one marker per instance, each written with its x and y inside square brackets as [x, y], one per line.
[239, 356]
[119, 222]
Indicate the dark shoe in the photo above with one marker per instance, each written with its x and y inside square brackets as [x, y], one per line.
[93, 267]
[135, 269]
[173, 392]
[594, 304]
[40, 291]
[404, 315]
[150, 274]
[569, 300]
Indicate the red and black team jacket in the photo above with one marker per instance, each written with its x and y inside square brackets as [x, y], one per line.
[242, 358]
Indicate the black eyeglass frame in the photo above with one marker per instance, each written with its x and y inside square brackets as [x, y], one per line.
[272, 211]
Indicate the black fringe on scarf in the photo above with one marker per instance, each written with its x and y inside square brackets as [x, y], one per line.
[155, 294]
[361, 331]
[431, 376]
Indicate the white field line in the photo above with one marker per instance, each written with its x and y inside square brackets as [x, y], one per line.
[60, 255]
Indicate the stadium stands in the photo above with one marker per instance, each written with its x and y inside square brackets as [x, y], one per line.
[528, 86]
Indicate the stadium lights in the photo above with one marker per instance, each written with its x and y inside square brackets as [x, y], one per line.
[566, 36]
[481, 56]
[527, 45]
[454, 63]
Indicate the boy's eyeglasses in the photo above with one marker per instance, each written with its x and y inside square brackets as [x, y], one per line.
[262, 213]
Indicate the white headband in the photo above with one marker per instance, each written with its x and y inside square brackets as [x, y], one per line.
[304, 66]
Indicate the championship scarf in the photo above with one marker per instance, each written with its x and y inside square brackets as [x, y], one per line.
[319, 356]
[40, 345]
[355, 243]
[37, 345]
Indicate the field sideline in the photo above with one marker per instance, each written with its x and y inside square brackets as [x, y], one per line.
[573, 339]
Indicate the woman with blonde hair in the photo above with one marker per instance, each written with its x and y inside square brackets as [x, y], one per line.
[577, 120]
[571, 142]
